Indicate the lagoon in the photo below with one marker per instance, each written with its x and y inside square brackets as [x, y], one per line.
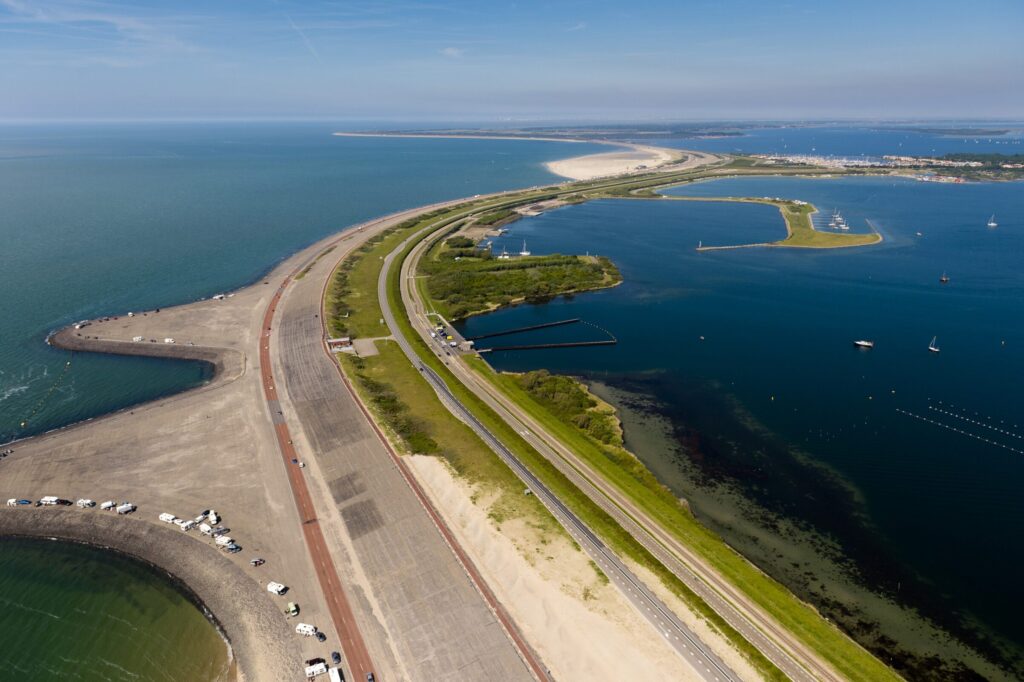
[746, 396]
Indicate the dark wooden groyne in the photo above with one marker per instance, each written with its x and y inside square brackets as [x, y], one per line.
[531, 328]
[539, 346]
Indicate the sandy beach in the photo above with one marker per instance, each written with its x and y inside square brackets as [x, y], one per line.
[635, 158]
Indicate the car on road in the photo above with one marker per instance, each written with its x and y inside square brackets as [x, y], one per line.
[370, 677]
[294, 461]
[302, 465]
[335, 658]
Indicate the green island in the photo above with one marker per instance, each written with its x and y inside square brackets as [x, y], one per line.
[466, 279]
[413, 417]
[800, 231]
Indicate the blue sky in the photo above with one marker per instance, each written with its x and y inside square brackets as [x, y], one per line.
[486, 60]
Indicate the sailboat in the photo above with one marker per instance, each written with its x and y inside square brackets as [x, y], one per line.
[932, 347]
[524, 252]
[992, 221]
[944, 279]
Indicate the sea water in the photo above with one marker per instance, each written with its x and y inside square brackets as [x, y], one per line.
[72, 612]
[104, 219]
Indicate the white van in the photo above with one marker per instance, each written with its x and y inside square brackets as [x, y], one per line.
[224, 540]
[126, 508]
[85, 504]
[276, 588]
[108, 505]
[305, 629]
[205, 529]
[13, 502]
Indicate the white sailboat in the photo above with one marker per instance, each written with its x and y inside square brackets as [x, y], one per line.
[932, 347]
[524, 252]
[992, 221]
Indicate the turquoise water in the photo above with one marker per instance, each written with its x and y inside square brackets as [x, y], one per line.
[102, 219]
[776, 418]
[72, 612]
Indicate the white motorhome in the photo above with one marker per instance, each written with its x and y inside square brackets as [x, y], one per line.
[168, 518]
[276, 588]
[306, 630]
[334, 675]
[48, 501]
[85, 504]
[13, 502]
[188, 525]
[126, 508]
[224, 540]
[314, 670]
[108, 505]
[205, 529]
[213, 518]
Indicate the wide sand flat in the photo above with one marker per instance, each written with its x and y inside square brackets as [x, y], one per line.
[636, 158]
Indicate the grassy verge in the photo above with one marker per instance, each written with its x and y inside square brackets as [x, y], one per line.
[405, 405]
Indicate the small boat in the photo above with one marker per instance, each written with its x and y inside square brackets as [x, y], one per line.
[992, 221]
[862, 343]
[944, 279]
[524, 252]
[932, 347]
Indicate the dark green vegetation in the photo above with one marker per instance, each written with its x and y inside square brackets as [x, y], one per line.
[567, 400]
[463, 280]
[495, 217]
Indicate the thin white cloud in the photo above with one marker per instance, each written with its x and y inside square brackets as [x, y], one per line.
[576, 27]
[305, 39]
[452, 52]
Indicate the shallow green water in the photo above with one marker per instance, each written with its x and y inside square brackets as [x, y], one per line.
[72, 612]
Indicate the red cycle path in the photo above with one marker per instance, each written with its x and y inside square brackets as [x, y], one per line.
[352, 643]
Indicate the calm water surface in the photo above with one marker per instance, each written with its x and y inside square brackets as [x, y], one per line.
[103, 219]
[748, 353]
[72, 612]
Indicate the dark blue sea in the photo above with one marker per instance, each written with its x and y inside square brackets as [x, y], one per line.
[895, 470]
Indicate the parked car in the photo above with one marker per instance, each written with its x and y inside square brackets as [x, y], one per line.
[335, 658]
[257, 561]
[321, 637]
